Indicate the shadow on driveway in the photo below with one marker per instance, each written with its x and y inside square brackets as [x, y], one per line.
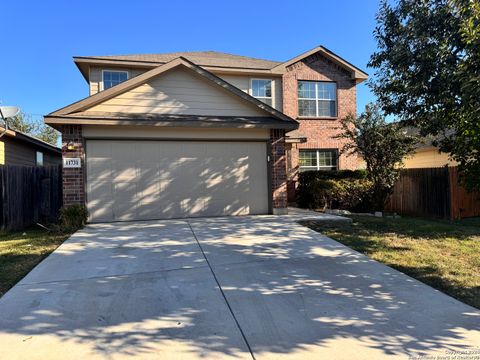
[145, 290]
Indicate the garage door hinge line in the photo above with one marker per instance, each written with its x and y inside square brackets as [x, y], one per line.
[223, 294]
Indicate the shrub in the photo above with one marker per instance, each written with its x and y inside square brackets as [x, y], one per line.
[73, 217]
[346, 189]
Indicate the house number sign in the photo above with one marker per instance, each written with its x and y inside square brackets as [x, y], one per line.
[71, 163]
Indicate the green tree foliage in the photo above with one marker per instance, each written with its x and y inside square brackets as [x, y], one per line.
[382, 146]
[428, 73]
[36, 128]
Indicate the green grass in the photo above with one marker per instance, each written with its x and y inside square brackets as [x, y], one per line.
[442, 254]
[21, 251]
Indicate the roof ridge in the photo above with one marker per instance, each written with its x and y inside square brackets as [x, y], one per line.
[173, 53]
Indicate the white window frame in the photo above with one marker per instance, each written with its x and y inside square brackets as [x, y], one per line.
[316, 99]
[42, 158]
[263, 97]
[118, 71]
[318, 166]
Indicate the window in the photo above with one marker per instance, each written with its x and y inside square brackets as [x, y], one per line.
[262, 90]
[318, 160]
[112, 78]
[317, 99]
[39, 158]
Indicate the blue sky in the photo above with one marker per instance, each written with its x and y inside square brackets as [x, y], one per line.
[39, 38]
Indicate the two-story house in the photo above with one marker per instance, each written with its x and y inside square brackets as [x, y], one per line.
[201, 133]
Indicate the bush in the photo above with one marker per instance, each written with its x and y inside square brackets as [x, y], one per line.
[73, 217]
[345, 189]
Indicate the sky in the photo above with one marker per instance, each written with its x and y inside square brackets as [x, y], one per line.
[39, 38]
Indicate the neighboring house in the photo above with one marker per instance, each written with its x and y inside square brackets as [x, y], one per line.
[201, 133]
[426, 154]
[17, 148]
[428, 157]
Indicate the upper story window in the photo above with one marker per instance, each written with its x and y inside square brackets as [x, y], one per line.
[318, 159]
[112, 78]
[317, 99]
[39, 158]
[262, 90]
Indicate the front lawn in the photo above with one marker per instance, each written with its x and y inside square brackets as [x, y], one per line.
[21, 251]
[442, 254]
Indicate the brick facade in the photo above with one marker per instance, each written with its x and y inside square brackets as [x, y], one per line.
[73, 179]
[319, 132]
[278, 171]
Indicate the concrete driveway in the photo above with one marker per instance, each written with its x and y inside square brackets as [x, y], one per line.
[262, 287]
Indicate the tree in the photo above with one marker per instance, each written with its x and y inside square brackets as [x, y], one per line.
[382, 145]
[428, 74]
[38, 129]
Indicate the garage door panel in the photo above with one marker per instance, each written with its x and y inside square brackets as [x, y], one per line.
[125, 200]
[136, 180]
[99, 168]
[124, 170]
[100, 200]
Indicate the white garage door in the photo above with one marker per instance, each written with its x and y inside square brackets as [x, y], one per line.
[141, 180]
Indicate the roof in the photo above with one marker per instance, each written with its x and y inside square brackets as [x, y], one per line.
[215, 59]
[427, 142]
[295, 136]
[76, 109]
[21, 136]
[202, 58]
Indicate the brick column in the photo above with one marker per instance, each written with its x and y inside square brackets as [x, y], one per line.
[73, 179]
[279, 171]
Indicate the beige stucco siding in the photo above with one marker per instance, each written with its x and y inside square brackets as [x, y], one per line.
[148, 132]
[426, 158]
[179, 91]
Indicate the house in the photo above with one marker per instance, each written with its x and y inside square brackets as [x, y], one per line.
[426, 155]
[18, 148]
[201, 133]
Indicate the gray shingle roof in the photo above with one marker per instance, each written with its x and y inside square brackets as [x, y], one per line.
[205, 58]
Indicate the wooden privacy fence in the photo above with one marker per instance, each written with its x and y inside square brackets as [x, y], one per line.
[29, 195]
[433, 192]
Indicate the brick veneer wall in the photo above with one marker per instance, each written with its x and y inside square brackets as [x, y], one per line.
[319, 132]
[279, 170]
[73, 179]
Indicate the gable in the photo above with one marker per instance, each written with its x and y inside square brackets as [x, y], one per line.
[181, 92]
[320, 51]
[320, 68]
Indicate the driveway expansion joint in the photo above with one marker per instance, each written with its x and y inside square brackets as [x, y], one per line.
[223, 293]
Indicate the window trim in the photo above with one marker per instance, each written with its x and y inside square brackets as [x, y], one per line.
[112, 70]
[316, 101]
[318, 167]
[36, 158]
[263, 97]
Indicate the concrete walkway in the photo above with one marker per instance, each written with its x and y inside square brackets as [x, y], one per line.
[262, 287]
